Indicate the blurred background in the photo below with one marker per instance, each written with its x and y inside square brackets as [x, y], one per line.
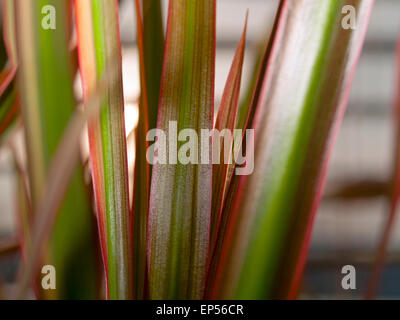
[354, 208]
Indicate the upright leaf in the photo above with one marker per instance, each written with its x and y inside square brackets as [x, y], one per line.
[60, 172]
[45, 83]
[9, 105]
[153, 54]
[99, 47]
[299, 102]
[142, 174]
[180, 198]
[226, 120]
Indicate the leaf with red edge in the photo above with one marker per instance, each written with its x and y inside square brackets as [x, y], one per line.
[226, 119]
[99, 46]
[45, 87]
[180, 196]
[60, 173]
[297, 109]
[142, 174]
[9, 106]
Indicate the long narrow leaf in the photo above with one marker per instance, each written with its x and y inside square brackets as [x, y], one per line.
[153, 54]
[142, 174]
[226, 119]
[99, 45]
[295, 125]
[180, 199]
[60, 173]
[47, 100]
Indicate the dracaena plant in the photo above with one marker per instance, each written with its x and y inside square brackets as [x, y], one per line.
[192, 230]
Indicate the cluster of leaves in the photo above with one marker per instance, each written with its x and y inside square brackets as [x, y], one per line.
[192, 231]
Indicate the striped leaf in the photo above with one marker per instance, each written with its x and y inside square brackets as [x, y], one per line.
[226, 119]
[298, 105]
[99, 47]
[180, 198]
[142, 173]
[47, 103]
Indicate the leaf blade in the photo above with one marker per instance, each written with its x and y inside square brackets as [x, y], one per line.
[288, 121]
[109, 144]
[179, 219]
[153, 54]
[45, 81]
[142, 171]
[226, 119]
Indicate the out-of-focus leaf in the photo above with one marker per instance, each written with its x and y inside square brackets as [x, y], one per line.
[8, 14]
[60, 173]
[9, 245]
[180, 198]
[226, 119]
[9, 106]
[3, 51]
[142, 175]
[87, 60]
[298, 105]
[354, 190]
[47, 100]
[99, 45]
[24, 207]
[394, 193]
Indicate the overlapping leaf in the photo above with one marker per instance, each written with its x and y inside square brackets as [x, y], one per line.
[9, 106]
[99, 46]
[142, 173]
[226, 120]
[298, 104]
[60, 173]
[47, 100]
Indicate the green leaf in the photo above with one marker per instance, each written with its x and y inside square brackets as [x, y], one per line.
[47, 102]
[298, 105]
[60, 172]
[9, 106]
[180, 198]
[150, 38]
[99, 47]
